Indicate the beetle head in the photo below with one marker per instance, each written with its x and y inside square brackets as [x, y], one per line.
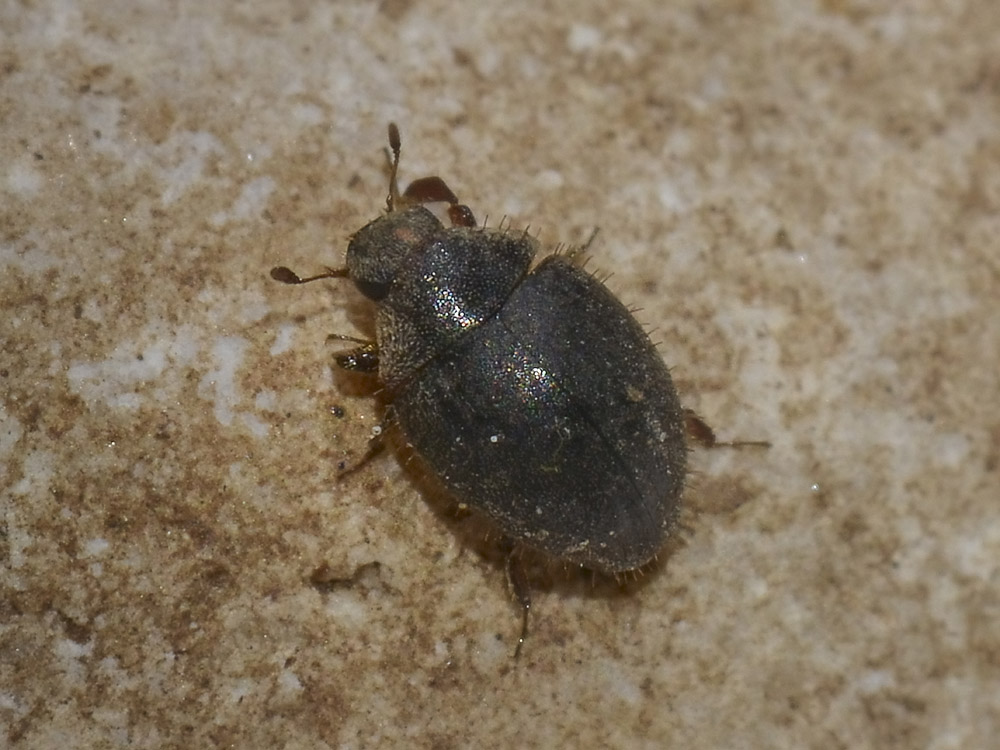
[377, 250]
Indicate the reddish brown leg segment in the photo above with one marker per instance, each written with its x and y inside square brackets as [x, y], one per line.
[698, 429]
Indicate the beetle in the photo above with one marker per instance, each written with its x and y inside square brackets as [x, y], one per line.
[530, 390]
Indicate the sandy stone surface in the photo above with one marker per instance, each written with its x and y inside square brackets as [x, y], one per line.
[803, 201]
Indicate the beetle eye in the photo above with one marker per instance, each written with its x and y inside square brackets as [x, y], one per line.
[373, 290]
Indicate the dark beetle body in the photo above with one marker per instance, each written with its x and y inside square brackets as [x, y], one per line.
[534, 395]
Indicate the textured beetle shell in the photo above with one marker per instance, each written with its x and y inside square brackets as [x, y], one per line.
[552, 414]
[443, 291]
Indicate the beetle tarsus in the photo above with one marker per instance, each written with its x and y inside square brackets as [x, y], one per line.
[518, 581]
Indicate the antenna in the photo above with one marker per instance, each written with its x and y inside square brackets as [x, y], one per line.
[394, 144]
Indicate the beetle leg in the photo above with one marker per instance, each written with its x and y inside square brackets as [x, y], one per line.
[518, 582]
[698, 429]
[362, 358]
[461, 216]
[288, 276]
[425, 190]
[435, 190]
[375, 445]
[429, 190]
